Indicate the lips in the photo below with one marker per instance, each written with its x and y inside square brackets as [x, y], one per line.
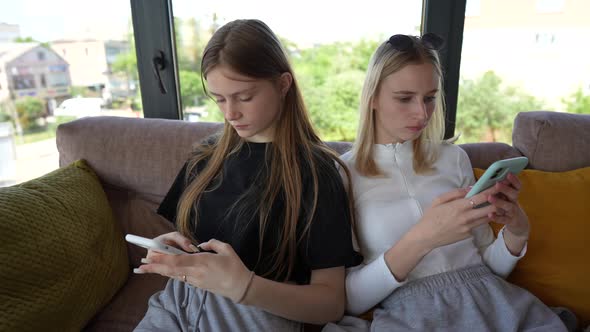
[240, 127]
[415, 128]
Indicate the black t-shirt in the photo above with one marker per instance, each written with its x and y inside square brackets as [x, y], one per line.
[329, 243]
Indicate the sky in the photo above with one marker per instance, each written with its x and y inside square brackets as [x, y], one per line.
[306, 22]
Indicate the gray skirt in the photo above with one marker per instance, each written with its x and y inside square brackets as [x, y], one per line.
[178, 307]
[468, 299]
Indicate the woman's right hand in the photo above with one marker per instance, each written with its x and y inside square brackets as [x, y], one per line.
[174, 239]
[451, 217]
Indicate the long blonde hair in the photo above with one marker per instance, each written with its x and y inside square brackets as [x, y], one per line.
[250, 48]
[385, 61]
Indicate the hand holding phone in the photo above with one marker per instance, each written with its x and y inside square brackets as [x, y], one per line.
[497, 172]
[154, 245]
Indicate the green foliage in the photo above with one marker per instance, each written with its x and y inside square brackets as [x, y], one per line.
[486, 109]
[81, 91]
[331, 78]
[47, 133]
[213, 112]
[333, 106]
[191, 88]
[29, 110]
[4, 115]
[24, 40]
[577, 102]
[125, 64]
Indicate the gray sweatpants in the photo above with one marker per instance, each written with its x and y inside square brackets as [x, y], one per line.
[469, 299]
[176, 308]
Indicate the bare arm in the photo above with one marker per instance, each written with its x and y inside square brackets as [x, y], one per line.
[319, 302]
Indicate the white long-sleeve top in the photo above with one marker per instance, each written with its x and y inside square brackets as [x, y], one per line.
[387, 207]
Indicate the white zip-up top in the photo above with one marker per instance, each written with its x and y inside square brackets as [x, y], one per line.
[387, 207]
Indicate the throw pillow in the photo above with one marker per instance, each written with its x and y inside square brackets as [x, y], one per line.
[62, 255]
[555, 267]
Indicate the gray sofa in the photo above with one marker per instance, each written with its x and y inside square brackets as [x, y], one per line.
[137, 160]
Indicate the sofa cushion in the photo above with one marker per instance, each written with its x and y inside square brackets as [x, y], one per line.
[553, 141]
[63, 256]
[482, 155]
[555, 267]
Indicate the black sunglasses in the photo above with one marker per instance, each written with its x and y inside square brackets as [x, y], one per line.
[405, 43]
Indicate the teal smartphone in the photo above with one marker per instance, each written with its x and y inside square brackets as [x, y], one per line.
[497, 171]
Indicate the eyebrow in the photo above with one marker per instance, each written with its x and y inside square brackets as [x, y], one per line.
[405, 92]
[235, 93]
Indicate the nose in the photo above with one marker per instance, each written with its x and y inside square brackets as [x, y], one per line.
[421, 111]
[231, 112]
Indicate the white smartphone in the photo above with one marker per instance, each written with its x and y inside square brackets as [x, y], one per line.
[153, 245]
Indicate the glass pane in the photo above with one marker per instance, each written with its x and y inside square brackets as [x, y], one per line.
[519, 57]
[56, 67]
[329, 44]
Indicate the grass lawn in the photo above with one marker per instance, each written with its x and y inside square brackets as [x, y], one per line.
[47, 133]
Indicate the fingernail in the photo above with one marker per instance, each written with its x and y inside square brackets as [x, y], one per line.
[138, 271]
[146, 260]
[193, 248]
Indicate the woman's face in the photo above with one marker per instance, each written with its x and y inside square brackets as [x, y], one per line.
[404, 103]
[252, 106]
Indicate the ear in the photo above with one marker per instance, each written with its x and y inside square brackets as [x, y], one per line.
[285, 82]
[372, 102]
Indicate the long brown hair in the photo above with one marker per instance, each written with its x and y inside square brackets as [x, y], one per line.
[385, 61]
[250, 48]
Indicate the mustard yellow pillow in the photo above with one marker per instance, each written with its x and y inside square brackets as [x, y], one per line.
[556, 267]
[62, 256]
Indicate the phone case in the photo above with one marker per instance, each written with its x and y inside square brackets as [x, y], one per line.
[153, 245]
[498, 172]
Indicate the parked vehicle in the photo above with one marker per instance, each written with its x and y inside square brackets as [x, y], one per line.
[80, 107]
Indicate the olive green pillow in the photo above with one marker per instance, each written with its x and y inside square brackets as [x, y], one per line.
[62, 256]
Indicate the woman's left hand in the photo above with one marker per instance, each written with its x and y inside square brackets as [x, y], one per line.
[509, 211]
[222, 272]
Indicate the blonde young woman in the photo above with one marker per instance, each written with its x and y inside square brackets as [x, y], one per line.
[431, 259]
[265, 196]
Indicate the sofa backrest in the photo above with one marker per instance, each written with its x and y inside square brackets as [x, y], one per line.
[137, 159]
[553, 141]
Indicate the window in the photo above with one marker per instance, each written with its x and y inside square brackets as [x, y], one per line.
[47, 76]
[57, 79]
[544, 38]
[351, 38]
[514, 60]
[549, 6]
[473, 8]
[23, 82]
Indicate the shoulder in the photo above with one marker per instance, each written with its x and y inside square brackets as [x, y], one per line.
[326, 167]
[452, 151]
[454, 157]
[347, 157]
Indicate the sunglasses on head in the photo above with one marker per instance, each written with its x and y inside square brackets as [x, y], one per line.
[404, 42]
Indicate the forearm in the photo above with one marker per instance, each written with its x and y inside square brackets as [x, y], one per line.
[315, 303]
[403, 257]
[367, 285]
[497, 255]
[515, 243]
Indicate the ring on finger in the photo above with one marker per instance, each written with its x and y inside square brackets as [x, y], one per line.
[472, 203]
[184, 278]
